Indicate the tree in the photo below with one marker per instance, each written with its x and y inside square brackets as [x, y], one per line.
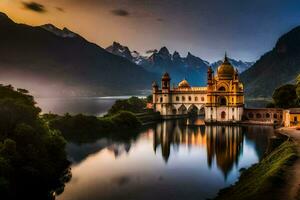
[33, 161]
[285, 96]
[133, 104]
[150, 98]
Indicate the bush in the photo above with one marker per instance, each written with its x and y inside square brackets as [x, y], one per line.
[81, 128]
[133, 104]
[125, 120]
[285, 96]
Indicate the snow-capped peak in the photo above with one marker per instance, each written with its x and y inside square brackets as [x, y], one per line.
[65, 33]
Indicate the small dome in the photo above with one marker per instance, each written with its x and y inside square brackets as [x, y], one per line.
[226, 70]
[184, 84]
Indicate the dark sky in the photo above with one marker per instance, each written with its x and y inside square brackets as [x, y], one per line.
[245, 29]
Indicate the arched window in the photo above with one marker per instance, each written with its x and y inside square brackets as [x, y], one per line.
[222, 88]
[250, 115]
[223, 115]
[196, 98]
[183, 98]
[267, 115]
[202, 98]
[190, 98]
[223, 101]
[258, 115]
[177, 98]
[275, 116]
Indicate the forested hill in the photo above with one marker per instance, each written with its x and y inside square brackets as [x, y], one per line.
[279, 66]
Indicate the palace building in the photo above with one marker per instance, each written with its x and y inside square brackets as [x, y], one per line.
[222, 100]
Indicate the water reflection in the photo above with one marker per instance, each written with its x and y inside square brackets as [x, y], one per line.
[162, 160]
[223, 143]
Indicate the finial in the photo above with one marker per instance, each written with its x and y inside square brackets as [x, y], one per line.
[225, 58]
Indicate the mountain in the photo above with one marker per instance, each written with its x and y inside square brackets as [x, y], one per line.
[279, 66]
[239, 64]
[191, 67]
[53, 62]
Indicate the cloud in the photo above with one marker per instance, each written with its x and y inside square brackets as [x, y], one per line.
[34, 6]
[120, 12]
[60, 9]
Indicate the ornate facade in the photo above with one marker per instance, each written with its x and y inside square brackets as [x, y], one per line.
[222, 100]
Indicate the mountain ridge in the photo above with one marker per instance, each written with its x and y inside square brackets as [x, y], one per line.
[279, 66]
[191, 67]
[35, 58]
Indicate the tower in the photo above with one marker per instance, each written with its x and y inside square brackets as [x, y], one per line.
[165, 83]
[225, 94]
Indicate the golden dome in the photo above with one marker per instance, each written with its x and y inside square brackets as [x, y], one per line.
[184, 84]
[226, 70]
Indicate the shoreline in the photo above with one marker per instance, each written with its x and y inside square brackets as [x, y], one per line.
[276, 176]
[291, 189]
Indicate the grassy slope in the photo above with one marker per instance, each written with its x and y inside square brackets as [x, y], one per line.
[261, 180]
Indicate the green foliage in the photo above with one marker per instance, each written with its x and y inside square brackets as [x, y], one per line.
[285, 96]
[270, 105]
[150, 98]
[133, 104]
[261, 181]
[32, 158]
[81, 128]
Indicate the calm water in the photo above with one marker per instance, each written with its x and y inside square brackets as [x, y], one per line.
[167, 161]
[75, 105]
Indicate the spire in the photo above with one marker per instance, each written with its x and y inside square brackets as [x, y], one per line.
[225, 57]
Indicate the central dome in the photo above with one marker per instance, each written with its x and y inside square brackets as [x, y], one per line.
[225, 70]
[184, 84]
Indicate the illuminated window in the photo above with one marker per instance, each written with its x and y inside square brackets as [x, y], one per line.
[223, 115]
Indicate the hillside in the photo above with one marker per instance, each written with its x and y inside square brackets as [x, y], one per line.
[54, 62]
[279, 66]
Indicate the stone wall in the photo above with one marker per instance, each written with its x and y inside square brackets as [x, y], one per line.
[264, 115]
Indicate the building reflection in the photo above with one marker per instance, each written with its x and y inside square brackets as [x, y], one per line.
[223, 144]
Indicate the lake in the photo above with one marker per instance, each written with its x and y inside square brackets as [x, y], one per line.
[74, 105]
[174, 159]
[169, 160]
[94, 105]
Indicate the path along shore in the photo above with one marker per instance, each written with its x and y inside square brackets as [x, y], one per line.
[291, 189]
